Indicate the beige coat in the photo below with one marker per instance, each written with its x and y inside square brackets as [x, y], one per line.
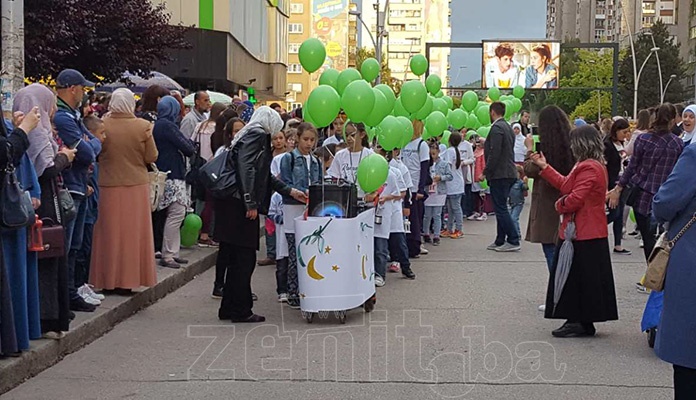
[543, 218]
[127, 151]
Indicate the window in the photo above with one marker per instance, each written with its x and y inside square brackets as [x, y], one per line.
[295, 87]
[669, 20]
[295, 28]
[296, 8]
[294, 69]
[294, 48]
[295, 106]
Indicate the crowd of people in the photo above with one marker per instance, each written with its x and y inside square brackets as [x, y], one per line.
[85, 163]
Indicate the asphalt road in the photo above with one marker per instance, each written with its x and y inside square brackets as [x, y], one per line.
[467, 327]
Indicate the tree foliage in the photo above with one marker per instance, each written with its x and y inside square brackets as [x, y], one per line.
[364, 53]
[649, 83]
[102, 39]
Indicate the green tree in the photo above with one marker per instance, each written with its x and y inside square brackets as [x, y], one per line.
[590, 110]
[649, 84]
[364, 53]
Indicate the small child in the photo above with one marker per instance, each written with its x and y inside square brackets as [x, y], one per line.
[275, 213]
[279, 143]
[441, 172]
[326, 154]
[517, 194]
[455, 187]
[478, 192]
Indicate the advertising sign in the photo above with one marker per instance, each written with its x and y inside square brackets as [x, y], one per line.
[533, 65]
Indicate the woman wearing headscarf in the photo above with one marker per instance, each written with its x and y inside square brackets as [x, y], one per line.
[236, 217]
[247, 112]
[122, 255]
[48, 162]
[689, 124]
[173, 149]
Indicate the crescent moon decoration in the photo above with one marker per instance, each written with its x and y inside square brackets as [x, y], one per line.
[312, 272]
[364, 275]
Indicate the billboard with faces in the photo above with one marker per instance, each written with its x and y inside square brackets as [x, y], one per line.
[530, 64]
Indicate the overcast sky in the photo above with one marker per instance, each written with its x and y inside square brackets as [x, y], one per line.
[475, 20]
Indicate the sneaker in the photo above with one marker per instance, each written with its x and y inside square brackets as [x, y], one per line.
[507, 247]
[426, 239]
[80, 305]
[94, 294]
[436, 241]
[205, 243]
[294, 303]
[482, 217]
[623, 252]
[54, 335]
[642, 289]
[169, 264]
[394, 267]
[217, 292]
[634, 233]
[641, 244]
[542, 308]
[473, 216]
[423, 250]
[283, 298]
[89, 300]
[408, 274]
[456, 235]
[379, 281]
[265, 262]
[86, 292]
[493, 246]
[444, 233]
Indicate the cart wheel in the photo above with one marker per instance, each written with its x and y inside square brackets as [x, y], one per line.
[342, 317]
[652, 333]
[369, 305]
[308, 316]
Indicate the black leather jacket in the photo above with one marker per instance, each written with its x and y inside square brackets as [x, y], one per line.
[252, 156]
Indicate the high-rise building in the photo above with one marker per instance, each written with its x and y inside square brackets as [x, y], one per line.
[590, 21]
[409, 25]
[299, 29]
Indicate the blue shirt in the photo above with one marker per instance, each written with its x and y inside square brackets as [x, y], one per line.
[517, 192]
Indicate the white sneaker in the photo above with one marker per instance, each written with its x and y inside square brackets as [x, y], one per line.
[283, 298]
[482, 217]
[641, 244]
[92, 293]
[379, 281]
[82, 291]
[423, 250]
[472, 216]
[542, 308]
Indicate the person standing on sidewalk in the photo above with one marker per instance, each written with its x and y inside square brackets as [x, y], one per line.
[197, 115]
[501, 174]
[70, 86]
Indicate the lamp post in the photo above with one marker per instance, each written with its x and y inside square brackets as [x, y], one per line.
[635, 82]
[381, 33]
[657, 56]
[633, 58]
[599, 94]
[456, 79]
[662, 97]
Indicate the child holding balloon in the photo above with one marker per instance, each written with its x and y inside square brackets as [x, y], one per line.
[346, 161]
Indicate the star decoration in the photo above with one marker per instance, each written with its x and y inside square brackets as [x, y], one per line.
[302, 295]
[335, 268]
[327, 250]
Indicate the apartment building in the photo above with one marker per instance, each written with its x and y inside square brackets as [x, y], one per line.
[590, 21]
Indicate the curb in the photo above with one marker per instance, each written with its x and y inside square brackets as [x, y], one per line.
[45, 353]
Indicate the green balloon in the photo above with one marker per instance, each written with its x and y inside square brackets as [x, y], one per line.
[419, 64]
[307, 115]
[530, 185]
[440, 105]
[433, 83]
[325, 104]
[457, 118]
[345, 78]
[472, 122]
[483, 116]
[484, 184]
[407, 131]
[440, 94]
[427, 108]
[399, 109]
[445, 138]
[483, 131]
[329, 77]
[370, 69]
[449, 101]
[190, 230]
[536, 138]
[494, 93]
[469, 100]
[390, 133]
[436, 123]
[516, 105]
[312, 54]
[358, 100]
[379, 111]
[388, 93]
[413, 96]
[372, 172]
[518, 92]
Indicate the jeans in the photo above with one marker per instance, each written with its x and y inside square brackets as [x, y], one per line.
[500, 192]
[549, 254]
[647, 232]
[282, 276]
[398, 249]
[73, 239]
[467, 201]
[616, 216]
[515, 211]
[83, 257]
[236, 301]
[432, 214]
[416, 219]
[684, 383]
[381, 256]
[454, 211]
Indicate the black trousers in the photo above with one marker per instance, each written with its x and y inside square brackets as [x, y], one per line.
[647, 232]
[159, 219]
[236, 296]
[684, 383]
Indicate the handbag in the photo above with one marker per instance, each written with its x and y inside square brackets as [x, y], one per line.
[17, 210]
[219, 176]
[53, 235]
[630, 195]
[157, 183]
[659, 258]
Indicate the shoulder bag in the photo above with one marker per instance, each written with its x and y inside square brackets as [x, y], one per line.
[157, 183]
[192, 176]
[66, 206]
[659, 258]
[17, 210]
[219, 176]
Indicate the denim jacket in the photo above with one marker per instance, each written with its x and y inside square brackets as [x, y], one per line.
[294, 173]
[444, 170]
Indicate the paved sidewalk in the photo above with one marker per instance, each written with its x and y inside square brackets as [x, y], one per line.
[467, 327]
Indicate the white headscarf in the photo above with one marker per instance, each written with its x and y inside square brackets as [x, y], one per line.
[122, 102]
[688, 136]
[265, 118]
[517, 125]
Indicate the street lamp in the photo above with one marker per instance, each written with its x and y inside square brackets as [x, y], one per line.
[456, 79]
[380, 33]
[662, 97]
[599, 94]
[657, 55]
[635, 82]
[633, 58]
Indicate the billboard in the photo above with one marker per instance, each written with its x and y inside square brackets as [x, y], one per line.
[330, 25]
[533, 65]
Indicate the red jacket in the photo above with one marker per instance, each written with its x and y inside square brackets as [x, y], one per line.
[583, 192]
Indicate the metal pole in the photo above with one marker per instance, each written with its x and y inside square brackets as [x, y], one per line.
[12, 50]
[635, 85]
[662, 97]
[378, 45]
[635, 70]
[659, 69]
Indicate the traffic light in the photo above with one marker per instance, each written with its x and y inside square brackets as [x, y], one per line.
[252, 95]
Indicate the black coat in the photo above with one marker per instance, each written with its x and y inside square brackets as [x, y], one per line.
[499, 152]
[614, 160]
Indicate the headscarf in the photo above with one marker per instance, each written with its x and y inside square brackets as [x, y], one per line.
[122, 102]
[168, 109]
[247, 114]
[580, 122]
[688, 136]
[42, 145]
[265, 118]
[516, 125]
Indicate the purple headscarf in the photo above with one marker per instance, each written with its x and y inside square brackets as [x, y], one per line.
[42, 146]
